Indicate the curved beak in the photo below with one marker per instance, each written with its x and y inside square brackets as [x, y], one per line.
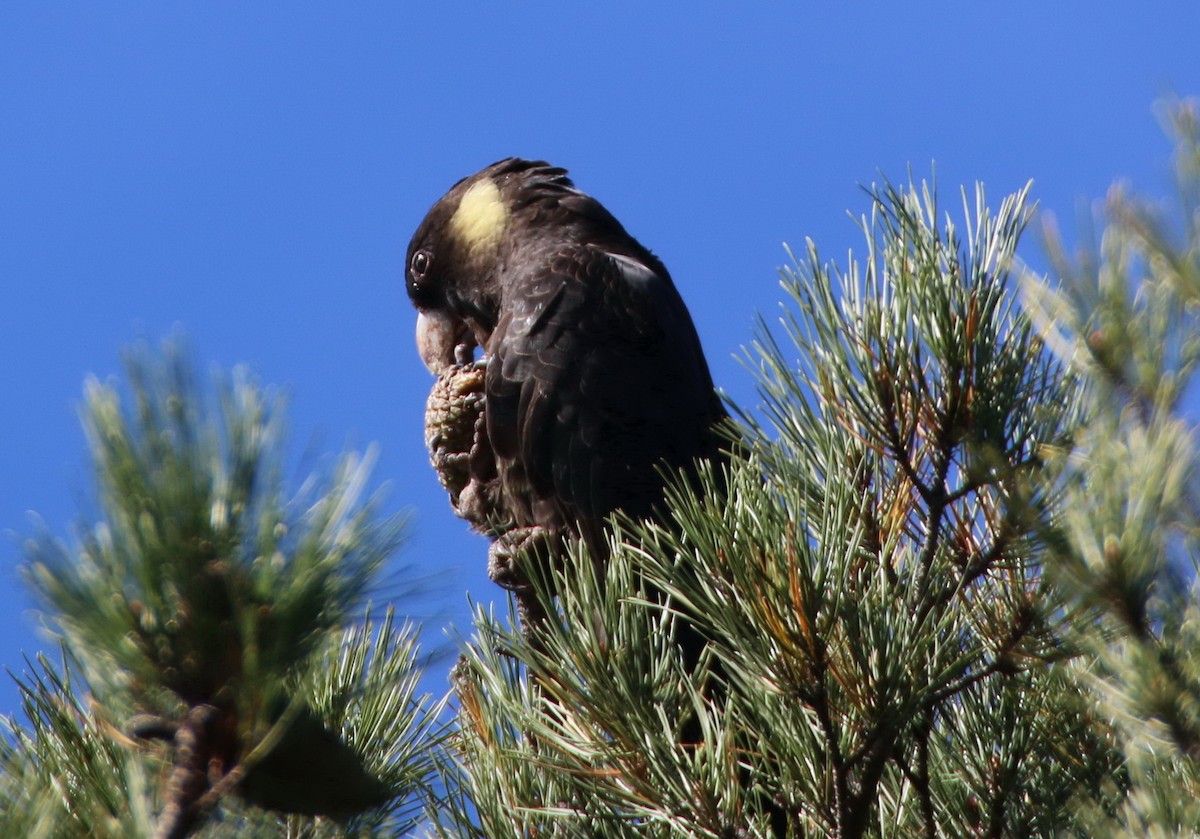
[443, 341]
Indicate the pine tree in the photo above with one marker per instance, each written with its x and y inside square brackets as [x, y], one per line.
[218, 676]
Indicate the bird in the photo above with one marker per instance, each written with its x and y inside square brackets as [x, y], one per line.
[591, 390]
[595, 385]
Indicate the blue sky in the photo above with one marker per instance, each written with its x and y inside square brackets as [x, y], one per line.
[252, 172]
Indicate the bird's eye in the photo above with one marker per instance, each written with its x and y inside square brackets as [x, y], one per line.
[419, 266]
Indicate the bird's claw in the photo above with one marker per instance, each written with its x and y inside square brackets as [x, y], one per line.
[464, 354]
[505, 554]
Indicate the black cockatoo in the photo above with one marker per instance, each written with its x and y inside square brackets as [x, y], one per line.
[594, 380]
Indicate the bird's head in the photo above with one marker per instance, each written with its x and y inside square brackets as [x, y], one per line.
[456, 259]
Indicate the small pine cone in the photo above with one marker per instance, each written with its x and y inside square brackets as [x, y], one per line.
[452, 413]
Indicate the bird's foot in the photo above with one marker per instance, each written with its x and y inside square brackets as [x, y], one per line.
[506, 553]
[506, 557]
[479, 504]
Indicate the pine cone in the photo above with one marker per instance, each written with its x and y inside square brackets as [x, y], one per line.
[453, 412]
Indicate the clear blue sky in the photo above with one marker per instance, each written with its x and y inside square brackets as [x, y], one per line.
[252, 172]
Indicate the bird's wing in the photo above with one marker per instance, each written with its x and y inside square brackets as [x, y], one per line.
[596, 377]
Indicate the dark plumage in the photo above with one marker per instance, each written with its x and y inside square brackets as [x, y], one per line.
[595, 376]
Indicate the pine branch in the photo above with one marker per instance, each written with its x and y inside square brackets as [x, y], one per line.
[1125, 316]
[214, 618]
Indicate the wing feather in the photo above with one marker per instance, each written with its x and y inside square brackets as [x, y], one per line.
[596, 375]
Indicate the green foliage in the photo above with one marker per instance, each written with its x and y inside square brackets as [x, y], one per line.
[365, 687]
[587, 738]
[70, 772]
[215, 625]
[1125, 315]
[199, 574]
[66, 774]
[885, 575]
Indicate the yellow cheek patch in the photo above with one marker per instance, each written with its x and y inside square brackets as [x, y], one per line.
[481, 216]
